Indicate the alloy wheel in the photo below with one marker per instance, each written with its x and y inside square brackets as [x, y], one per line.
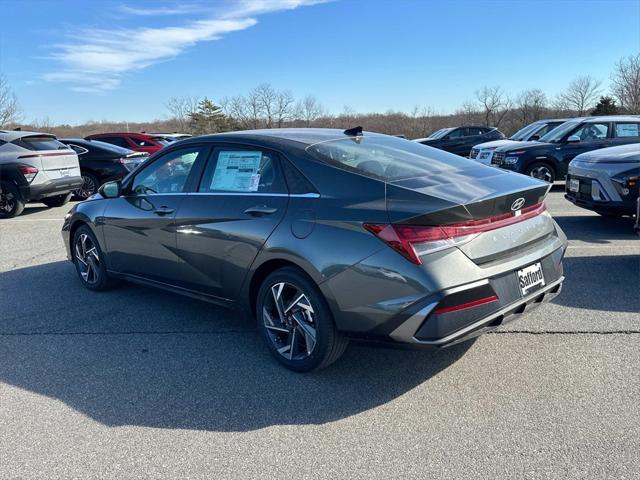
[88, 187]
[7, 201]
[542, 172]
[87, 257]
[290, 321]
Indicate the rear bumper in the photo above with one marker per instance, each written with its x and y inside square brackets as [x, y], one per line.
[50, 188]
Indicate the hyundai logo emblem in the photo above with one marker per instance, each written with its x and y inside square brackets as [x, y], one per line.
[517, 204]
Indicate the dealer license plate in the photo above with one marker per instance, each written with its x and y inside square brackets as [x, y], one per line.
[531, 278]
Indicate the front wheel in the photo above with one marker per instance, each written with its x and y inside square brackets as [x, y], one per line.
[542, 171]
[296, 322]
[57, 201]
[11, 204]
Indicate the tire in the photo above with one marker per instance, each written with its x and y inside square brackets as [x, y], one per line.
[90, 185]
[89, 261]
[542, 171]
[306, 339]
[57, 201]
[11, 203]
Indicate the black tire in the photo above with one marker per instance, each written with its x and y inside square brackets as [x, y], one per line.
[92, 269]
[328, 345]
[542, 171]
[11, 203]
[57, 201]
[90, 185]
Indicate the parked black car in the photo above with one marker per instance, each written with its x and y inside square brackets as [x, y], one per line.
[549, 158]
[460, 140]
[102, 162]
[323, 235]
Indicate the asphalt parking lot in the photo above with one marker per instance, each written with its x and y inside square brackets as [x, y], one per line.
[138, 383]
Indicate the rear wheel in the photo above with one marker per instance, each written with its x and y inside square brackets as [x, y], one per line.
[11, 204]
[89, 261]
[57, 201]
[296, 322]
[90, 185]
[542, 171]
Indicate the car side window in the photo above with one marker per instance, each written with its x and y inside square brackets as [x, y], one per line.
[627, 129]
[120, 142]
[78, 149]
[169, 173]
[475, 131]
[592, 131]
[242, 170]
[460, 132]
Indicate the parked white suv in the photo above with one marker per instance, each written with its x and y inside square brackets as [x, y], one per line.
[35, 167]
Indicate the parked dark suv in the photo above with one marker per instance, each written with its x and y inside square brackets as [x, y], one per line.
[549, 158]
[460, 140]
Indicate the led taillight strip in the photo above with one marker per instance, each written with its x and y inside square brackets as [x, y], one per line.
[52, 154]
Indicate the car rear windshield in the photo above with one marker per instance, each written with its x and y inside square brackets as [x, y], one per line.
[440, 133]
[386, 158]
[39, 143]
[110, 147]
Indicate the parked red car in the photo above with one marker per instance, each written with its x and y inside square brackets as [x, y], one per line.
[138, 142]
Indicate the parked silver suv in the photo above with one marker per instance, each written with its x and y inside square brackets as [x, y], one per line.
[35, 167]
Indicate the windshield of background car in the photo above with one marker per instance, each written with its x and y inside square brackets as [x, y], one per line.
[387, 158]
[440, 133]
[557, 133]
[524, 132]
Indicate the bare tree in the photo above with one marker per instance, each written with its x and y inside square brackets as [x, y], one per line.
[9, 108]
[581, 94]
[495, 104]
[531, 105]
[625, 82]
[284, 107]
[182, 109]
[246, 110]
[309, 110]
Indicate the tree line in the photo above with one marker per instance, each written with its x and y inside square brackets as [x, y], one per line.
[267, 107]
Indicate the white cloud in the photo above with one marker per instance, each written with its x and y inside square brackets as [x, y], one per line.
[96, 60]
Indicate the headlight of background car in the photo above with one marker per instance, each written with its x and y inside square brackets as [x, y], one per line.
[511, 160]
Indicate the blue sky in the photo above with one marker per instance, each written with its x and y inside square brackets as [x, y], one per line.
[73, 61]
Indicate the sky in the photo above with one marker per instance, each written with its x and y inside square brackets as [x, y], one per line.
[71, 61]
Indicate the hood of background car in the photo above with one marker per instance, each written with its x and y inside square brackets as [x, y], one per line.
[527, 146]
[494, 144]
[620, 154]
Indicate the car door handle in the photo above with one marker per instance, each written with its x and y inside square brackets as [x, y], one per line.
[164, 211]
[258, 210]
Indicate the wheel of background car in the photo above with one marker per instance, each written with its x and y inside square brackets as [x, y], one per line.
[90, 185]
[542, 171]
[296, 322]
[89, 260]
[11, 204]
[57, 201]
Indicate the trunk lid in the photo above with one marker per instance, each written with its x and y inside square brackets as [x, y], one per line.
[473, 194]
[51, 156]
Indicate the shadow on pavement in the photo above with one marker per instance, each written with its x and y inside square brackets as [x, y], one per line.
[606, 283]
[136, 356]
[596, 229]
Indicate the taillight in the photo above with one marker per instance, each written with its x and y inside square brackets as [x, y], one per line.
[412, 241]
[29, 172]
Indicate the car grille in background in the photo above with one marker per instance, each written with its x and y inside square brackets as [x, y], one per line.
[498, 158]
[474, 153]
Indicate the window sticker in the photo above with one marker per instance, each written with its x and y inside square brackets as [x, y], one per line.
[627, 130]
[237, 171]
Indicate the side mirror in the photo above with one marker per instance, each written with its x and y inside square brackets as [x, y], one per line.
[534, 138]
[110, 190]
[573, 139]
